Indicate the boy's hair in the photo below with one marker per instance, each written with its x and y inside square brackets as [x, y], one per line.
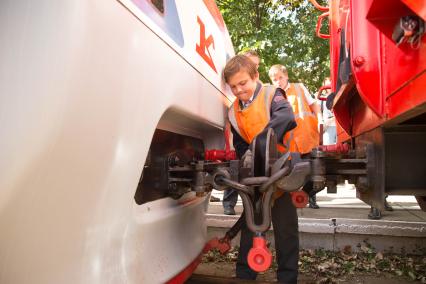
[277, 68]
[251, 52]
[238, 63]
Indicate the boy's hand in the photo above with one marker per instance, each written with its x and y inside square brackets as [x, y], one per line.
[247, 159]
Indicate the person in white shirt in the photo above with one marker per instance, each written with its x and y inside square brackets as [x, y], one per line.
[329, 134]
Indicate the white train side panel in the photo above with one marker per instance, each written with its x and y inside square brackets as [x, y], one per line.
[83, 86]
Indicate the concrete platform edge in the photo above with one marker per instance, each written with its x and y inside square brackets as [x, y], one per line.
[340, 226]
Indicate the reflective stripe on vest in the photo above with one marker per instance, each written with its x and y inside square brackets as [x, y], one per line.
[304, 114]
[301, 99]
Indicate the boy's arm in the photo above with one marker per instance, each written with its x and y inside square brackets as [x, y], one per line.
[282, 116]
[240, 145]
[315, 108]
[313, 105]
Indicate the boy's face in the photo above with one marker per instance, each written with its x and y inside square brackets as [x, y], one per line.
[279, 79]
[242, 85]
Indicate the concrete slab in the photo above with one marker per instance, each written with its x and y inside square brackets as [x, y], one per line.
[341, 221]
[344, 204]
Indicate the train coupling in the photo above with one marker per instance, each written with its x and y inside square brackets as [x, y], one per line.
[281, 174]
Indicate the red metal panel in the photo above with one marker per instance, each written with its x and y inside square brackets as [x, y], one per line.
[342, 136]
[411, 97]
[338, 20]
[389, 79]
[384, 10]
[418, 7]
[341, 107]
[401, 65]
[406, 82]
[365, 54]
[363, 117]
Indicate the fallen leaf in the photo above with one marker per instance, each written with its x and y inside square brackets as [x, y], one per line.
[379, 255]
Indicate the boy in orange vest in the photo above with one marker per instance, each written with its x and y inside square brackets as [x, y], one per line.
[256, 109]
[307, 112]
[230, 196]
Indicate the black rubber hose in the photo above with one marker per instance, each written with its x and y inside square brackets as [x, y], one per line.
[231, 233]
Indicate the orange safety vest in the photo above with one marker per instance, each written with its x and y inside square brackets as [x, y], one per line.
[305, 136]
[250, 121]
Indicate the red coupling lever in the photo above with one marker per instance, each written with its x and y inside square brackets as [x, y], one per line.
[222, 155]
[259, 257]
[223, 245]
[299, 198]
[340, 148]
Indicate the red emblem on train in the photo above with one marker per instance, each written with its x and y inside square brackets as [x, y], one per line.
[205, 43]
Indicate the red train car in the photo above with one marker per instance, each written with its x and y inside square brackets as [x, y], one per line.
[378, 64]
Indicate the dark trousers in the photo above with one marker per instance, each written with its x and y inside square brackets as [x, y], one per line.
[309, 185]
[230, 198]
[286, 234]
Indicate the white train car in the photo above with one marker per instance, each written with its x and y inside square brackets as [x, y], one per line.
[86, 86]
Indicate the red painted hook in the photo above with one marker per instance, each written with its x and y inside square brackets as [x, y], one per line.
[259, 257]
[299, 199]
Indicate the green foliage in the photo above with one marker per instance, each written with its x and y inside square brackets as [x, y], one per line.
[282, 32]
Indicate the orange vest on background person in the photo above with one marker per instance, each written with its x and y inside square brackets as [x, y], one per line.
[305, 136]
[252, 120]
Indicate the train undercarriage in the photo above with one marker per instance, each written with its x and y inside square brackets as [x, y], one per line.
[377, 166]
[179, 164]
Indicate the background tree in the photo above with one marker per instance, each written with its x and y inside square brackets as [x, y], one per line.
[282, 32]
